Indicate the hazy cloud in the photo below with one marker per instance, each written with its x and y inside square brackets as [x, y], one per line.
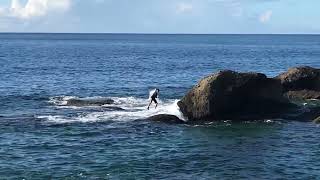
[34, 8]
[265, 17]
[184, 7]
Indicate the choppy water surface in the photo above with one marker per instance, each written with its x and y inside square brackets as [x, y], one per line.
[43, 135]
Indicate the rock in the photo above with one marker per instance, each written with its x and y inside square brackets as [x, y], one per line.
[112, 108]
[303, 94]
[301, 82]
[307, 114]
[166, 118]
[89, 102]
[229, 95]
[317, 120]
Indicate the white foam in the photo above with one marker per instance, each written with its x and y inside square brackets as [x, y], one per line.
[61, 100]
[133, 109]
[63, 119]
[268, 121]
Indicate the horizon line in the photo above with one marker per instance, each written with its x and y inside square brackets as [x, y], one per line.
[133, 33]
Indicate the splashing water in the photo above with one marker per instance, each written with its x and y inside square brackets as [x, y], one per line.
[128, 109]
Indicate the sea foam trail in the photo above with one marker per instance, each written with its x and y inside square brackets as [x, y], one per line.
[129, 109]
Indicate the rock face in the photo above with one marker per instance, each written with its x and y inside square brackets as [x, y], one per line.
[112, 108]
[166, 118]
[301, 82]
[308, 114]
[89, 102]
[317, 120]
[234, 96]
[303, 94]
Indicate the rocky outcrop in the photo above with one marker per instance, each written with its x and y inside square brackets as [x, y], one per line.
[317, 120]
[304, 114]
[89, 102]
[166, 118]
[112, 108]
[303, 94]
[301, 83]
[235, 96]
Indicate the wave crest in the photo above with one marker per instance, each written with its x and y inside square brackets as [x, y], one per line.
[120, 109]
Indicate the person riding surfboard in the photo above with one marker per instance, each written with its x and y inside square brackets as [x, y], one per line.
[153, 98]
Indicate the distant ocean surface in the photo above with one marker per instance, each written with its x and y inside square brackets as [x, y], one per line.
[44, 136]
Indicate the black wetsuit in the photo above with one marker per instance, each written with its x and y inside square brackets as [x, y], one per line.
[154, 96]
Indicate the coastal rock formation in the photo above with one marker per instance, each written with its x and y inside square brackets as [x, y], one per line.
[305, 114]
[112, 108]
[166, 118]
[301, 82]
[317, 120]
[303, 94]
[234, 96]
[89, 102]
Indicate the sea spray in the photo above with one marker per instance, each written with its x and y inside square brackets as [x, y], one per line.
[132, 108]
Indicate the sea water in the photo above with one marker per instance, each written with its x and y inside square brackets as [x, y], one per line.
[42, 137]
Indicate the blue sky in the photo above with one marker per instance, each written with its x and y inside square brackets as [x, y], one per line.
[160, 16]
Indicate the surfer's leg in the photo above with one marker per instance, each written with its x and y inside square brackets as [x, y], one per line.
[155, 102]
[149, 104]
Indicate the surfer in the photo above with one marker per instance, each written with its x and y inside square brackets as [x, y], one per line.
[153, 98]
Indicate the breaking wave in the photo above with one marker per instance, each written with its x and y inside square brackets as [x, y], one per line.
[110, 109]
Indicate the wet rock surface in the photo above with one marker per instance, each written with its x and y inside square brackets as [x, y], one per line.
[166, 118]
[235, 96]
[301, 82]
[89, 102]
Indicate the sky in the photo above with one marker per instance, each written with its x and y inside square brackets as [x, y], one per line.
[161, 16]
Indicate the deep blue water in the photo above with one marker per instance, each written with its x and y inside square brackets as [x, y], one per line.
[41, 137]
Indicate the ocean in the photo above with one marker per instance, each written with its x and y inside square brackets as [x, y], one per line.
[44, 136]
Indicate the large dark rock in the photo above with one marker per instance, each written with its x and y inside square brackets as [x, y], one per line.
[234, 96]
[166, 118]
[301, 82]
[89, 102]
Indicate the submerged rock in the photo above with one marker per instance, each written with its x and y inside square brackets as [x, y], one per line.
[89, 102]
[166, 118]
[301, 82]
[112, 108]
[234, 96]
[317, 120]
[307, 114]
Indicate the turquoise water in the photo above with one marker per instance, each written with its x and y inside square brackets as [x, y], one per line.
[42, 137]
